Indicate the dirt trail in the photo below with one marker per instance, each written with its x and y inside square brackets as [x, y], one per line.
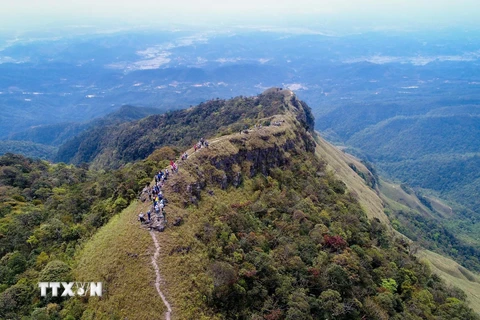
[158, 279]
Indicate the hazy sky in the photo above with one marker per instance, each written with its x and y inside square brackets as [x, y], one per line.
[371, 13]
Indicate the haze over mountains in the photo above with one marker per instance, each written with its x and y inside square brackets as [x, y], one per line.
[80, 77]
[406, 103]
[363, 88]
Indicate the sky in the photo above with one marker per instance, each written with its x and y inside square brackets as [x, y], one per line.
[18, 14]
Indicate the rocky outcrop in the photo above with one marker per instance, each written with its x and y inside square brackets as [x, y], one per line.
[230, 169]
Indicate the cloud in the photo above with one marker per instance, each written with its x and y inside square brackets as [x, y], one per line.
[371, 12]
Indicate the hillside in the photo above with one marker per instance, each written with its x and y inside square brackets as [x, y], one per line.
[43, 141]
[28, 149]
[112, 146]
[269, 232]
[429, 146]
[275, 223]
[57, 134]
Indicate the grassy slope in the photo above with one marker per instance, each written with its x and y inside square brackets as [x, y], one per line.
[446, 268]
[338, 162]
[131, 291]
[455, 275]
[395, 196]
[127, 279]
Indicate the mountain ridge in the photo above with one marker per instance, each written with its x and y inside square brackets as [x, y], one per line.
[217, 198]
[111, 146]
[273, 222]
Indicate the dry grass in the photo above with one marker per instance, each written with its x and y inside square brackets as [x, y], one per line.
[393, 192]
[120, 255]
[338, 162]
[455, 275]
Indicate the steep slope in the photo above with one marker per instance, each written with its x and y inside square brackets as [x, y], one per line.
[455, 275]
[270, 232]
[120, 256]
[391, 197]
[342, 164]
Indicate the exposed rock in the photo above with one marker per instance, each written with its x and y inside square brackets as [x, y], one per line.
[178, 221]
[159, 228]
[237, 180]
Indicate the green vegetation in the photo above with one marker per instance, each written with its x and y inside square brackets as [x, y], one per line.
[431, 225]
[437, 156]
[111, 146]
[432, 147]
[289, 245]
[29, 149]
[455, 275]
[47, 211]
[268, 230]
[57, 134]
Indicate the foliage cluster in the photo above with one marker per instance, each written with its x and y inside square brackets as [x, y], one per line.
[295, 245]
[47, 211]
[111, 146]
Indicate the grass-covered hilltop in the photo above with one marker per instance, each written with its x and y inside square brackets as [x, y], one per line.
[267, 222]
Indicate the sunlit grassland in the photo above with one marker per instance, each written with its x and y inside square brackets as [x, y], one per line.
[119, 255]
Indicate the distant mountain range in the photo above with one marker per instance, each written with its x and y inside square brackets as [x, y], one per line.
[83, 77]
[43, 141]
[408, 104]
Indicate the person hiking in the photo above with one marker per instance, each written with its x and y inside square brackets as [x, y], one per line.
[148, 215]
[141, 217]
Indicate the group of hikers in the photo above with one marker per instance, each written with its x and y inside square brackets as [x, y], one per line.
[200, 144]
[155, 194]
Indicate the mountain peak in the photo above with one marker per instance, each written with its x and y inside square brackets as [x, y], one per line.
[111, 146]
